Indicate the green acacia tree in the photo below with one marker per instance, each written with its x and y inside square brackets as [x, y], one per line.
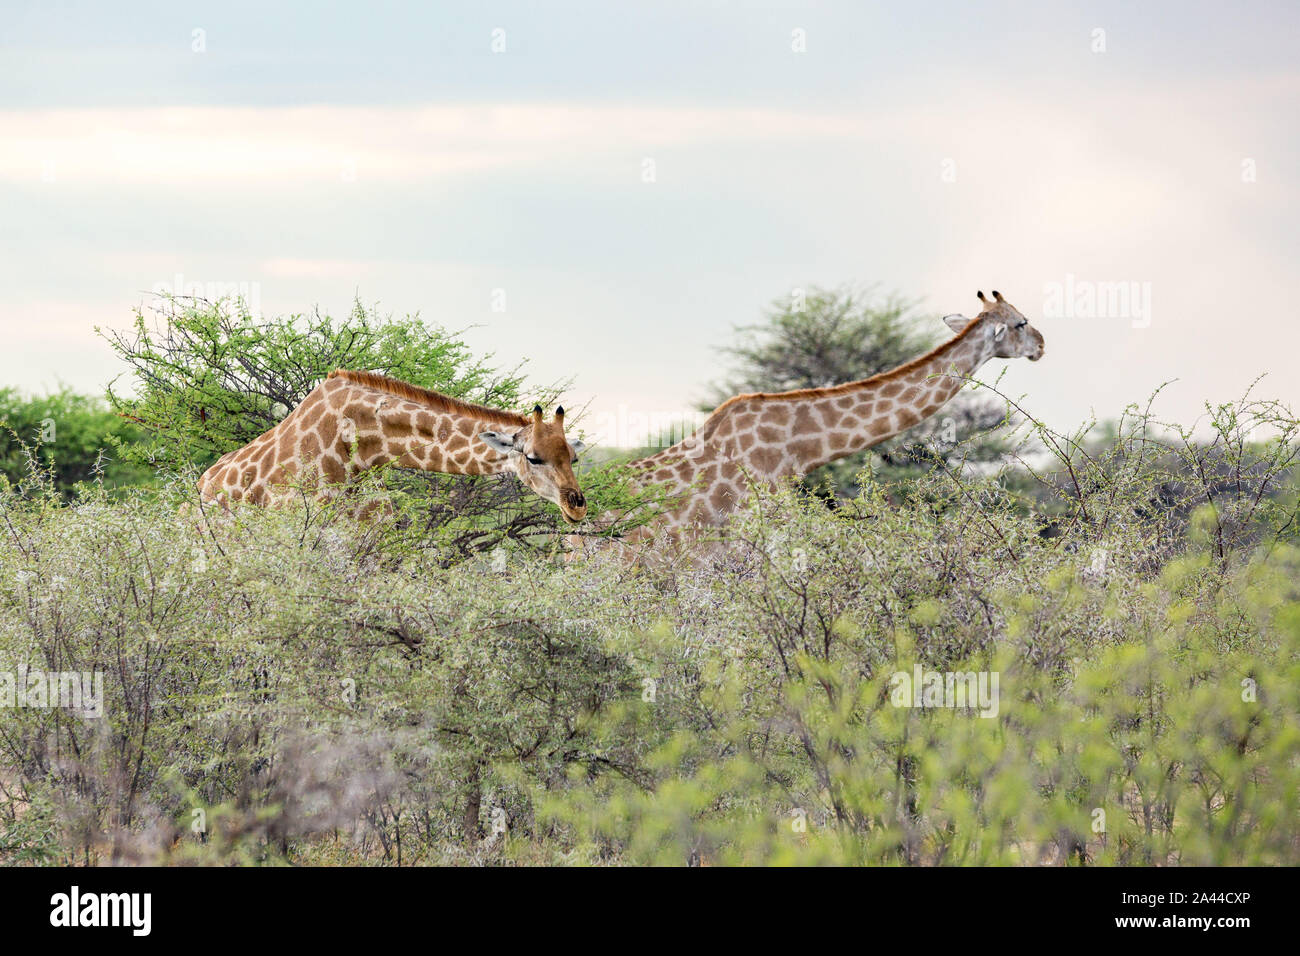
[206, 378]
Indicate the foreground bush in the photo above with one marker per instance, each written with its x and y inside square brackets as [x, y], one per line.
[294, 686]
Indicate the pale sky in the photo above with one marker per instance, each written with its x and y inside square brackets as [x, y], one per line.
[310, 154]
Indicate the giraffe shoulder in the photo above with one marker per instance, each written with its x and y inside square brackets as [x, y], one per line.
[732, 415]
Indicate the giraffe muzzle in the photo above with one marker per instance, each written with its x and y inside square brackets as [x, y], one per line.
[575, 505]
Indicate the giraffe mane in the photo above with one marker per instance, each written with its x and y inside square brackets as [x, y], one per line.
[878, 378]
[428, 397]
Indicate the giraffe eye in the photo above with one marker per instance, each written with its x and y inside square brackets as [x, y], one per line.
[532, 460]
[1022, 323]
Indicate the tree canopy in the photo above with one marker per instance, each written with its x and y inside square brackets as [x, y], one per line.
[207, 378]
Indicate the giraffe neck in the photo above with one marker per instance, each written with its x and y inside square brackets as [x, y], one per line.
[345, 427]
[832, 423]
[376, 428]
[765, 437]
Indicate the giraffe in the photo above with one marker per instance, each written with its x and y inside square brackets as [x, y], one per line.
[767, 436]
[355, 421]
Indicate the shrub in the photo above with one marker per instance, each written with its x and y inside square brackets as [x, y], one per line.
[294, 686]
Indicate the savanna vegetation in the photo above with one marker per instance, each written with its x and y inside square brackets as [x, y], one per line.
[445, 686]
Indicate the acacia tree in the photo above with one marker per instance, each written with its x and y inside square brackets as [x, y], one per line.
[207, 378]
[828, 336]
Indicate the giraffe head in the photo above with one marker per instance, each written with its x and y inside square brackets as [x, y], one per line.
[1013, 336]
[543, 459]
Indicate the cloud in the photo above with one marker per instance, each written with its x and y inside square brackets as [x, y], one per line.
[331, 144]
[1103, 182]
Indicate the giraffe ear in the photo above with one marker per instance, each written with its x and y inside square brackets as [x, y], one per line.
[502, 443]
[578, 447]
[999, 331]
[956, 322]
